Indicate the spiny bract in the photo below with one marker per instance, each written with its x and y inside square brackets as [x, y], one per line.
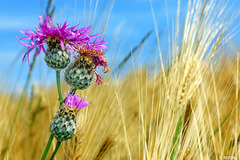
[63, 125]
[80, 73]
[56, 57]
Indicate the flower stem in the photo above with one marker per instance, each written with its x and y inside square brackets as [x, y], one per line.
[56, 149]
[60, 100]
[175, 139]
[47, 147]
[59, 85]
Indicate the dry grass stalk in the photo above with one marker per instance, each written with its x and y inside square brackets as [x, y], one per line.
[136, 117]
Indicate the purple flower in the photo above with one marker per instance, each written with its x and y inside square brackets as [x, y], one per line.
[95, 50]
[47, 32]
[76, 101]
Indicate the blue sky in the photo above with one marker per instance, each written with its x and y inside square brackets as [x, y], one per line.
[129, 21]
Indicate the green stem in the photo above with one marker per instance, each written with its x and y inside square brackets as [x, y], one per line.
[224, 121]
[60, 100]
[47, 147]
[59, 85]
[175, 139]
[56, 149]
[226, 117]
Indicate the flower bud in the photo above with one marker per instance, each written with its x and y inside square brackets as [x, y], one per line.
[80, 73]
[63, 126]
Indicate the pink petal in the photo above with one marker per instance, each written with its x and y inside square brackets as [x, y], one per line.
[43, 49]
[27, 54]
[39, 50]
[62, 44]
[23, 43]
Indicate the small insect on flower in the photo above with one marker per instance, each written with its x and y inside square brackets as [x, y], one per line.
[63, 126]
[59, 39]
[80, 73]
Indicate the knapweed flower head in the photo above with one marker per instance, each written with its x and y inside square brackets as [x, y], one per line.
[48, 32]
[75, 101]
[64, 123]
[95, 50]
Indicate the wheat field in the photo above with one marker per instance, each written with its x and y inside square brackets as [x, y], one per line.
[136, 116]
